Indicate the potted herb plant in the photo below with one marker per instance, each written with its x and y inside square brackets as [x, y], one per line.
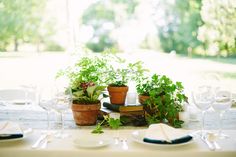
[163, 99]
[119, 78]
[87, 81]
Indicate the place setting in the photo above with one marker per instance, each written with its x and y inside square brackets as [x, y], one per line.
[162, 135]
[12, 131]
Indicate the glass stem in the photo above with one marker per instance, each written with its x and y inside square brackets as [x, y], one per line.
[220, 126]
[62, 122]
[203, 121]
[48, 113]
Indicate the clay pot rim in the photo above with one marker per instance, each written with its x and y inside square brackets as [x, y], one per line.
[115, 89]
[85, 107]
[110, 85]
[88, 104]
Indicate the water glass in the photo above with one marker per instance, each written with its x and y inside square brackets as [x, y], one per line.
[45, 101]
[62, 103]
[223, 102]
[203, 97]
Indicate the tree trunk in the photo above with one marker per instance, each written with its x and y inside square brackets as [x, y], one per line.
[16, 44]
[38, 46]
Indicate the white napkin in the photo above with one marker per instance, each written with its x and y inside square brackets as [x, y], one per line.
[164, 132]
[10, 128]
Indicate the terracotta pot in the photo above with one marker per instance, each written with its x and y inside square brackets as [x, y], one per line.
[85, 114]
[142, 98]
[118, 94]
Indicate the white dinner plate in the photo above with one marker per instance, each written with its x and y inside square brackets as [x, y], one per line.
[138, 136]
[92, 141]
[26, 133]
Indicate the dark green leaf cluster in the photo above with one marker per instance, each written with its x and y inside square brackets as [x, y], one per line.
[165, 101]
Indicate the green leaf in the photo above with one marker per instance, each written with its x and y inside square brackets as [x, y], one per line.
[78, 93]
[91, 90]
[114, 123]
[97, 130]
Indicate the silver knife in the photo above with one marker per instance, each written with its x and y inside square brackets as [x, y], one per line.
[39, 141]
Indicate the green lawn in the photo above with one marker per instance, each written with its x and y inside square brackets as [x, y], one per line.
[36, 68]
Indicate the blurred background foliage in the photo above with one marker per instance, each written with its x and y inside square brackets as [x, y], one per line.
[186, 27]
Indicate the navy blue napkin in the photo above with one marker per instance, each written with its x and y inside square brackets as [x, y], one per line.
[10, 130]
[175, 141]
[10, 136]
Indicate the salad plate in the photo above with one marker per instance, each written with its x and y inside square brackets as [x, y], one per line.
[92, 141]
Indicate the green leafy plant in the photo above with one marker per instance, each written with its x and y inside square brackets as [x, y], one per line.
[108, 121]
[165, 100]
[87, 95]
[112, 122]
[87, 79]
[119, 77]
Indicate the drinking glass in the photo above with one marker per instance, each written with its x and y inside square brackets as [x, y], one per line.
[223, 101]
[63, 99]
[46, 98]
[203, 97]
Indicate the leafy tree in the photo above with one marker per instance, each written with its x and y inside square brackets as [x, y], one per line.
[219, 26]
[105, 13]
[181, 21]
[21, 22]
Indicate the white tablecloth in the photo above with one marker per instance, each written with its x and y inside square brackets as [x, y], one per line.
[66, 147]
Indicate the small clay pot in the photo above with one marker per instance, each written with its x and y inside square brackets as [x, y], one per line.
[117, 94]
[142, 99]
[85, 114]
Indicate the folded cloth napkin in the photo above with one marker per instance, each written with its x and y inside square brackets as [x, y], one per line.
[10, 130]
[164, 134]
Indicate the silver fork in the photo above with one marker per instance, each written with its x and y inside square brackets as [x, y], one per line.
[45, 142]
[209, 144]
[39, 141]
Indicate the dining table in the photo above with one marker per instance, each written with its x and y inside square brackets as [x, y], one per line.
[119, 142]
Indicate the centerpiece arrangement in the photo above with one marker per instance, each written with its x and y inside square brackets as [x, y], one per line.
[162, 99]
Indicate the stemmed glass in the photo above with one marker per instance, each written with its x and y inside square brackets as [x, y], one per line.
[223, 101]
[63, 100]
[46, 100]
[203, 97]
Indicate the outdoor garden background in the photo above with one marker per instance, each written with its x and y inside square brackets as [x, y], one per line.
[184, 39]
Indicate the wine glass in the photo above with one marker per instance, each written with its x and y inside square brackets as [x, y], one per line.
[203, 97]
[223, 101]
[63, 100]
[46, 98]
